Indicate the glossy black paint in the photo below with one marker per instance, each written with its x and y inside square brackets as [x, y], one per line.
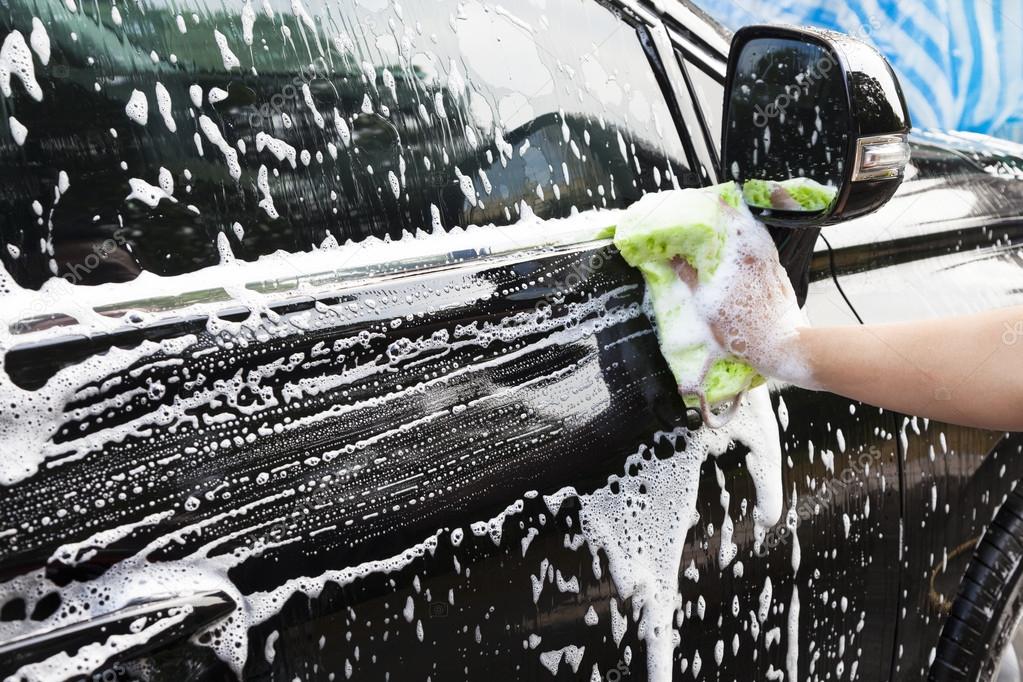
[542, 416]
[581, 447]
[952, 238]
[205, 609]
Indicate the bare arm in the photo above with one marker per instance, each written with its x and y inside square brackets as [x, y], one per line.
[964, 370]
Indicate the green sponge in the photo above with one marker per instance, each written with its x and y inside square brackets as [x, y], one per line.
[757, 193]
[683, 223]
[690, 224]
[809, 194]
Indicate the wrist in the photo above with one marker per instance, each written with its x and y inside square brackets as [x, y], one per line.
[794, 361]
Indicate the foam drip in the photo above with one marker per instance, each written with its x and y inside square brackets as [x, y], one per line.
[643, 527]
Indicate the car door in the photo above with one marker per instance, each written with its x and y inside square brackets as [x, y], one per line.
[334, 415]
[949, 245]
[274, 456]
[840, 470]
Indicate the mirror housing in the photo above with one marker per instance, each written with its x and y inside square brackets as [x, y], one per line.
[812, 104]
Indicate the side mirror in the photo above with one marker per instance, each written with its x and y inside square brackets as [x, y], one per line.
[815, 125]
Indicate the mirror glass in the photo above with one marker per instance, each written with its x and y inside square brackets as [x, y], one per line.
[788, 126]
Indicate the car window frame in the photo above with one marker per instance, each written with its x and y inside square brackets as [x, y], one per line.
[657, 40]
[686, 64]
[700, 43]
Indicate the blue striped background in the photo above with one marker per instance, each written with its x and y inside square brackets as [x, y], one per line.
[960, 62]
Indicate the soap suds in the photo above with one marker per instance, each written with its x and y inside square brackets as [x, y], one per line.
[644, 550]
[137, 107]
[16, 60]
[227, 56]
[213, 134]
[39, 39]
[163, 103]
[149, 195]
[248, 21]
[18, 131]
[669, 493]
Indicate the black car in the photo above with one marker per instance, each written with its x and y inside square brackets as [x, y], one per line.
[270, 408]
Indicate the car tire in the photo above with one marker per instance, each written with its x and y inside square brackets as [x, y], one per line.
[988, 607]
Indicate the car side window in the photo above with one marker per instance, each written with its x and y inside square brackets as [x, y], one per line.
[187, 137]
[709, 92]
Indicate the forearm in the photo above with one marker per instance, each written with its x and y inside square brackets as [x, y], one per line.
[965, 370]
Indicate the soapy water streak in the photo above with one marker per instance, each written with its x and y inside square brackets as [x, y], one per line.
[211, 538]
[823, 499]
[170, 414]
[185, 393]
[644, 549]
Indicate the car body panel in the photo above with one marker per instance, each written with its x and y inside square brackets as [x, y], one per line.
[950, 244]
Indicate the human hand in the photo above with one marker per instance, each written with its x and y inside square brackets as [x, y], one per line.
[749, 303]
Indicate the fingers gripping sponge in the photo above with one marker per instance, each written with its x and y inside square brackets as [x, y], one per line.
[689, 224]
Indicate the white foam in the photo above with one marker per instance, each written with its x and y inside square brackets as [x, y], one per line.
[267, 202]
[342, 128]
[39, 39]
[571, 654]
[307, 97]
[792, 652]
[18, 131]
[163, 103]
[227, 56]
[279, 148]
[248, 21]
[728, 549]
[166, 180]
[217, 95]
[213, 134]
[16, 60]
[37, 419]
[137, 107]
[644, 550]
[149, 195]
[74, 553]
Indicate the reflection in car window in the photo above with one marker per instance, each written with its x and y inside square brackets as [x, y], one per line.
[170, 137]
[709, 92]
